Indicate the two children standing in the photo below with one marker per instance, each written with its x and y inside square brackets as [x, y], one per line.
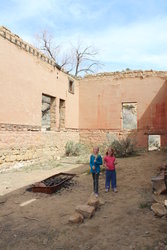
[109, 163]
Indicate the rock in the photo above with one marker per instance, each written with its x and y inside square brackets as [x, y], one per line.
[161, 246]
[76, 218]
[93, 201]
[164, 217]
[158, 183]
[86, 210]
[101, 201]
[2, 199]
[159, 209]
[159, 198]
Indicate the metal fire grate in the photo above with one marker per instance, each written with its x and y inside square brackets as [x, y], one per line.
[52, 184]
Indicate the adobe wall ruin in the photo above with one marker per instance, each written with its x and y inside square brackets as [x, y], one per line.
[40, 110]
[27, 78]
[103, 96]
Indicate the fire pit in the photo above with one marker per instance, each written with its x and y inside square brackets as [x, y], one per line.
[53, 183]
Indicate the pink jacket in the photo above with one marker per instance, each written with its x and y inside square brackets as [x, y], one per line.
[109, 162]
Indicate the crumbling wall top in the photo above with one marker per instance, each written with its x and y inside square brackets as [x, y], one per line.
[129, 74]
[15, 39]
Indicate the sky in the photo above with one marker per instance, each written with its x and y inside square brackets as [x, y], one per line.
[127, 33]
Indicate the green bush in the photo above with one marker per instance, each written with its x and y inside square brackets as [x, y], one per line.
[75, 149]
[122, 148]
[145, 204]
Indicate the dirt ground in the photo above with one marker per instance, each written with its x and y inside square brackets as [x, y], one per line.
[15, 178]
[123, 222]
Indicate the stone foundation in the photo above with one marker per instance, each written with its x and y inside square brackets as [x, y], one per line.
[16, 146]
[101, 136]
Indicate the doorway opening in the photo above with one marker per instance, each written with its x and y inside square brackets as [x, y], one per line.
[62, 114]
[154, 142]
[48, 112]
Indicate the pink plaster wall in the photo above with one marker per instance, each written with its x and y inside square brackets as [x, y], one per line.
[101, 100]
[23, 79]
[96, 104]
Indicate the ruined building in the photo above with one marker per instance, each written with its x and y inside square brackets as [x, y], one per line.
[42, 107]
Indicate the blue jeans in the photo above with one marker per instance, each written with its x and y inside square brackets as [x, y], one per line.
[110, 177]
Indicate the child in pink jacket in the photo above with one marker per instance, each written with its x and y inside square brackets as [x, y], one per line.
[109, 163]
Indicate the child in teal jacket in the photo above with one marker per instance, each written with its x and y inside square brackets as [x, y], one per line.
[95, 162]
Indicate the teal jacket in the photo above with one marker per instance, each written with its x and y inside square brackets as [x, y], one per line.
[96, 164]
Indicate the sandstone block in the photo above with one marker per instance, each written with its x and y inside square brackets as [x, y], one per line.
[13, 158]
[159, 209]
[7, 159]
[165, 202]
[18, 158]
[93, 201]
[101, 201]
[76, 218]
[86, 210]
[16, 152]
[159, 198]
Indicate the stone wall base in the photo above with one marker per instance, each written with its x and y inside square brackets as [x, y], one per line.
[100, 137]
[39, 146]
[28, 145]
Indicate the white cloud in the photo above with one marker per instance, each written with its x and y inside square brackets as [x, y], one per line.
[141, 43]
[138, 43]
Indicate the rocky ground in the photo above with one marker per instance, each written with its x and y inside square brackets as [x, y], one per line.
[125, 221]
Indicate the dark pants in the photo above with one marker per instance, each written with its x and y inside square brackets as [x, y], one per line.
[95, 182]
[110, 178]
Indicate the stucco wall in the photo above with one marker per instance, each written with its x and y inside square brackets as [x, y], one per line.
[93, 113]
[24, 78]
[26, 74]
[101, 99]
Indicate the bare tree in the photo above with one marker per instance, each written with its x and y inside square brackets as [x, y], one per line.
[84, 59]
[46, 43]
[79, 60]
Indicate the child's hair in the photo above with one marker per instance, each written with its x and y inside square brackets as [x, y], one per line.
[111, 149]
[96, 148]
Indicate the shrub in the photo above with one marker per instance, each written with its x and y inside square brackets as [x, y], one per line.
[145, 204]
[75, 149]
[122, 148]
